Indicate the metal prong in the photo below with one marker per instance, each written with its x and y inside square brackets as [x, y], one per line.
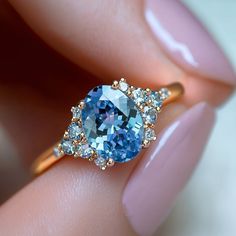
[83, 138]
[110, 162]
[66, 135]
[129, 92]
[76, 142]
[81, 104]
[141, 107]
[74, 119]
[148, 125]
[62, 153]
[148, 90]
[93, 157]
[79, 121]
[158, 109]
[149, 102]
[115, 84]
[103, 168]
[76, 155]
[146, 144]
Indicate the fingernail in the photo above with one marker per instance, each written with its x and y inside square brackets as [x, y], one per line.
[165, 169]
[186, 40]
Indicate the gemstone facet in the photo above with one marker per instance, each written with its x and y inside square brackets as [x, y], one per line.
[112, 124]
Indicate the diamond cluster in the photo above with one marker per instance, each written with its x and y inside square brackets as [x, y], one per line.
[109, 127]
[74, 141]
[149, 102]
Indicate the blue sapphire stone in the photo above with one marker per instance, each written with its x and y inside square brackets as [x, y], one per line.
[112, 123]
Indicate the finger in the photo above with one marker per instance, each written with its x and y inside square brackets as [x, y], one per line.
[99, 39]
[165, 72]
[73, 198]
[12, 173]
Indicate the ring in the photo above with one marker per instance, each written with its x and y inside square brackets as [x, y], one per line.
[111, 125]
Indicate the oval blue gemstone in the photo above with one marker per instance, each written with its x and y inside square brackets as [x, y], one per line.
[112, 123]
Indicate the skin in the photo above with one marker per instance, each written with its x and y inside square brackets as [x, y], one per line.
[109, 39]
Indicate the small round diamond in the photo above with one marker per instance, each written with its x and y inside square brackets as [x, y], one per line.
[150, 134]
[84, 150]
[139, 95]
[155, 99]
[123, 86]
[150, 115]
[67, 147]
[164, 93]
[57, 152]
[76, 112]
[74, 131]
[101, 162]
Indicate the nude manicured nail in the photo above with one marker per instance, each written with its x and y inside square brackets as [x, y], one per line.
[165, 169]
[186, 40]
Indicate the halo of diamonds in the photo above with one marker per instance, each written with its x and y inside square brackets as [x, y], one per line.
[149, 103]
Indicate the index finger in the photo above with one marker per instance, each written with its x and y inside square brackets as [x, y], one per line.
[112, 40]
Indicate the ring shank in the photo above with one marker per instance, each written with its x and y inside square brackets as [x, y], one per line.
[44, 161]
[176, 91]
[47, 159]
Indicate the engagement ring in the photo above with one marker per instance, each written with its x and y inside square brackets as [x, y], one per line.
[111, 125]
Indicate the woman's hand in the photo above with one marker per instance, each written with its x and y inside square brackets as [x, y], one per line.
[109, 39]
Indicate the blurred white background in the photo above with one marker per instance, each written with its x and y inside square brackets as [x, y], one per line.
[207, 205]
